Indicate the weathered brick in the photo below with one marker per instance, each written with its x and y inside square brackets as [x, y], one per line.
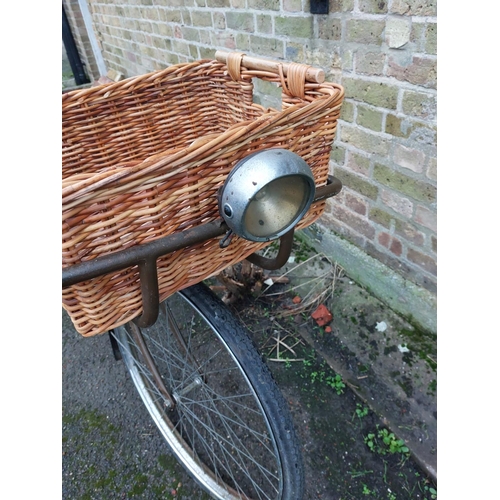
[205, 37]
[165, 30]
[434, 244]
[292, 5]
[356, 204]
[172, 3]
[419, 104]
[337, 155]
[238, 4]
[206, 53]
[359, 224]
[180, 47]
[333, 223]
[173, 16]
[356, 183]
[364, 31]
[369, 118]
[263, 4]
[146, 26]
[347, 111]
[382, 217]
[297, 27]
[374, 93]
[243, 41]
[271, 47]
[187, 18]
[373, 6]
[414, 7]
[329, 28]
[264, 24]
[417, 36]
[217, 3]
[341, 5]
[384, 239]
[421, 71]
[223, 39]
[201, 19]
[397, 32]
[431, 39]
[191, 34]
[357, 163]
[397, 202]
[219, 20]
[193, 52]
[409, 232]
[418, 190]
[347, 59]
[294, 51]
[268, 89]
[426, 262]
[242, 21]
[424, 134]
[361, 139]
[370, 63]
[409, 158]
[151, 14]
[426, 218]
[432, 169]
[397, 126]
[389, 260]
[396, 247]
[324, 55]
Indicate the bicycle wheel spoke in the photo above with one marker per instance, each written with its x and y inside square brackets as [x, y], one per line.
[239, 422]
[241, 464]
[217, 426]
[247, 455]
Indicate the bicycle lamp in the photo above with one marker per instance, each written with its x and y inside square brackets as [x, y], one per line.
[266, 194]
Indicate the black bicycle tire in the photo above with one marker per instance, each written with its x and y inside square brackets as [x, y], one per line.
[266, 388]
[236, 338]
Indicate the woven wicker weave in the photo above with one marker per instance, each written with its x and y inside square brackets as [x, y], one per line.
[143, 158]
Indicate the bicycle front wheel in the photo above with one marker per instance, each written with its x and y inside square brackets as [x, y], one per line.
[213, 399]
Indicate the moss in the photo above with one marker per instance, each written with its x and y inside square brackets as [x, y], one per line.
[422, 343]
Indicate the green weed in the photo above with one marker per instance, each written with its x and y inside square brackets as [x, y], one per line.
[385, 442]
[360, 411]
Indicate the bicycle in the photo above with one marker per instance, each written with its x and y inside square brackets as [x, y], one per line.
[198, 372]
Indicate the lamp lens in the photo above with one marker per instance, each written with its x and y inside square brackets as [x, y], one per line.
[276, 206]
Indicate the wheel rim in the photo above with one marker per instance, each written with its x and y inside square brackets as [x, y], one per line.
[218, 419]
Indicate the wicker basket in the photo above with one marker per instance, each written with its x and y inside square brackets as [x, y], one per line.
[143, 158]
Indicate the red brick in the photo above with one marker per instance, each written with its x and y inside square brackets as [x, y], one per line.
[424, 261]
[356, 204]
[384, 239]
[396, 247]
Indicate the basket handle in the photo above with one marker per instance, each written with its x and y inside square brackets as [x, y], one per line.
[312, 75]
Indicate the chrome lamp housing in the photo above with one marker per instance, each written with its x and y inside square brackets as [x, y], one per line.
[266, 194]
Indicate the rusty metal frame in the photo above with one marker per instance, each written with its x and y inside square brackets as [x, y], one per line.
[146, 255]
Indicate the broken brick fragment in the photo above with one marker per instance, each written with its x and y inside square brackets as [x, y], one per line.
[297, 300]
[322, 315]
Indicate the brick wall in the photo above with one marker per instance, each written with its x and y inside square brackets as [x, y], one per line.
[382, 51]
[82, 41]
